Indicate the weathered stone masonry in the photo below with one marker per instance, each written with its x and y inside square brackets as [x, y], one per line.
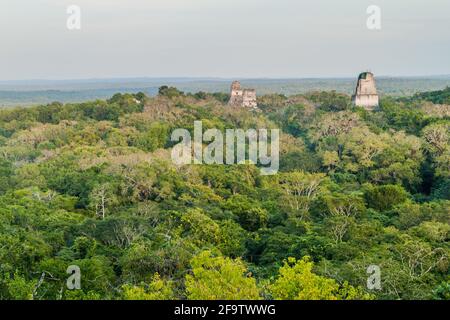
[366, 92]
[242, 97]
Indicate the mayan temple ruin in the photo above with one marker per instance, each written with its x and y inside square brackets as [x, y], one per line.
[366, 92]
[242, 97]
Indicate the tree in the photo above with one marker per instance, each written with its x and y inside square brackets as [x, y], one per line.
[169, 92]
[333, 125]
[18, 287]
[339, 212]
[157, 289]
[232, 239]
[201, 228]
[437, 138]
[250, 216]
[101, 199]
[300, 189]
[418, 258]
[296, 281]
[385, 197]
[442, 292]
[330, 101]
[218, 278]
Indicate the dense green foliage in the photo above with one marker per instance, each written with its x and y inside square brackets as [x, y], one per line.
[438, 97]
[93, 185]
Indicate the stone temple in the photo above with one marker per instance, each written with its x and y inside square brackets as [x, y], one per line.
[366, 92]
[242, 97]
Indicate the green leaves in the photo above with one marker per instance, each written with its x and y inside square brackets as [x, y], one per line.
[157, 289]
[218, 278]
[249, 215]
[92, 184]
[385, 197]
[296, 281]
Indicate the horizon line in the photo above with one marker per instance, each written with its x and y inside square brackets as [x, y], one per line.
[213, 78]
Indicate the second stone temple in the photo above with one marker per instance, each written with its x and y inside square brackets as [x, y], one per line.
[242, 97]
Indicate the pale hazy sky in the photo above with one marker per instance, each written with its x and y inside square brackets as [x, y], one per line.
[222, 38]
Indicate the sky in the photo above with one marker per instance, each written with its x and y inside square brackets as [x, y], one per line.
[222, 38]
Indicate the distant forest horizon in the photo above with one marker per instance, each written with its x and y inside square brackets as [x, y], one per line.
[35, 92]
